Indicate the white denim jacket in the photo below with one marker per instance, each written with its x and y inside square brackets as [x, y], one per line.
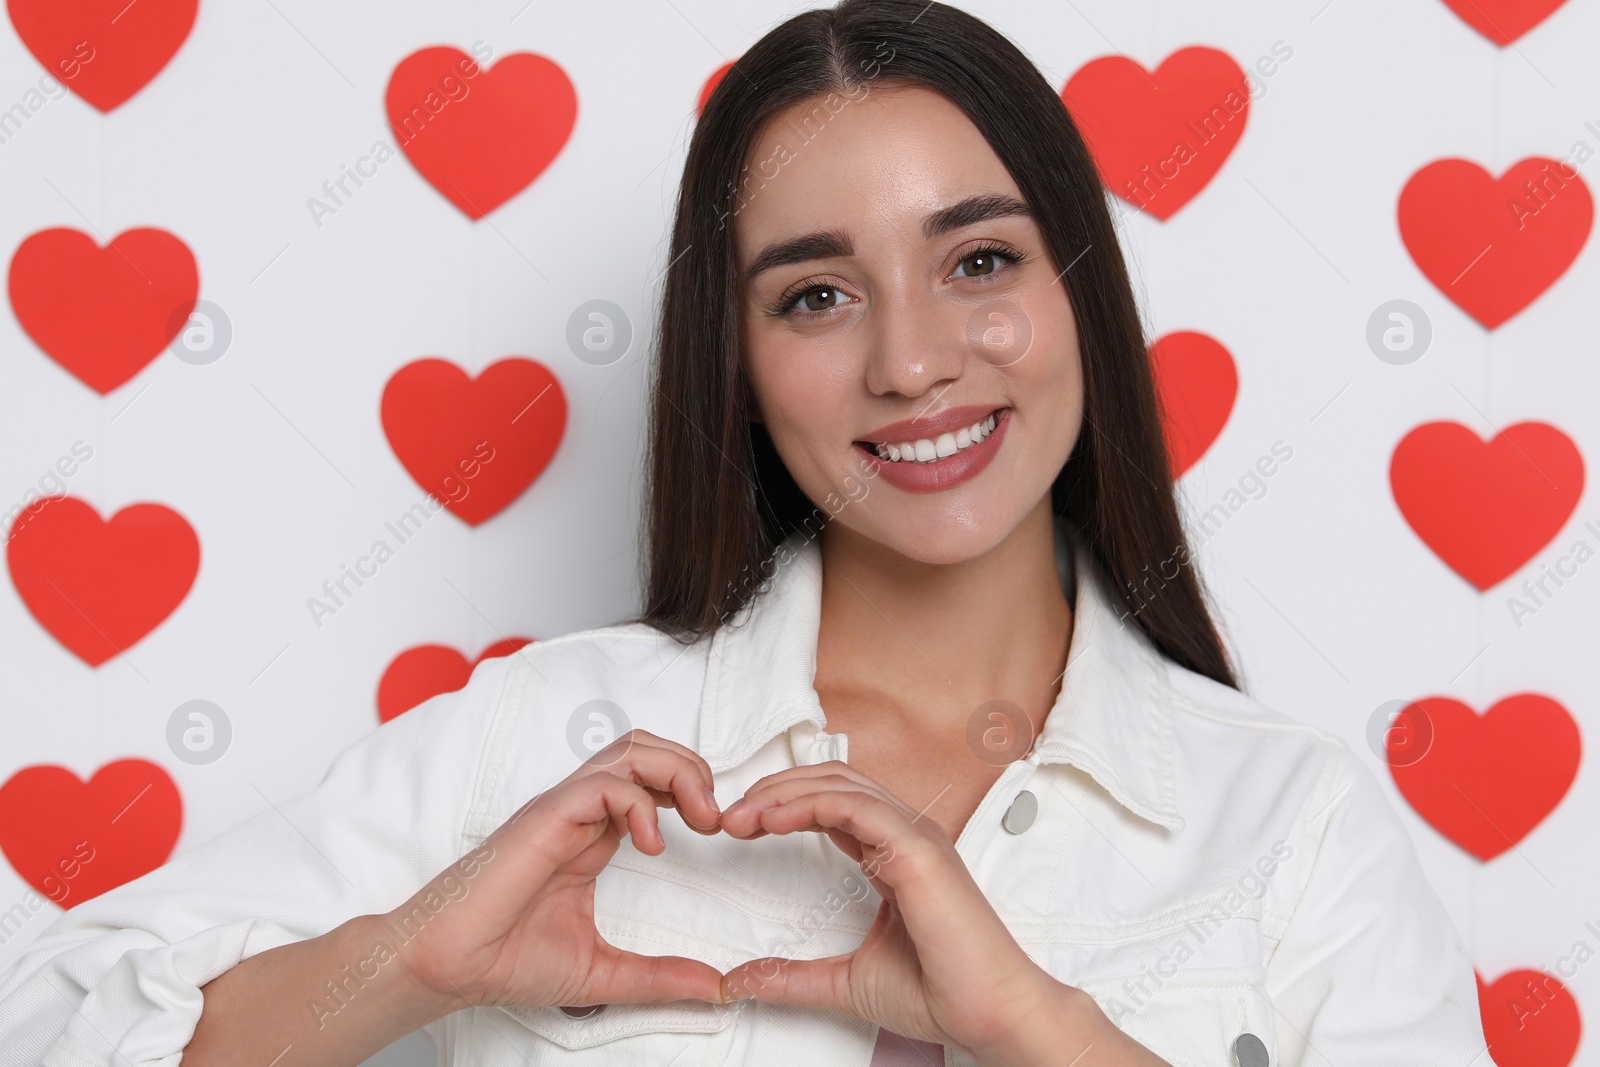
[1202, 866]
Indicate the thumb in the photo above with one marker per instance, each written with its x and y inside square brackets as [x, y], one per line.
[822, 983]
[634, 979]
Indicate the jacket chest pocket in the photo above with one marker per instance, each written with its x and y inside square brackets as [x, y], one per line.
[682, 1033]
[1189, 993]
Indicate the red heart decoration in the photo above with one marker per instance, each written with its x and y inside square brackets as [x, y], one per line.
[72, 840]
[1196, 383]
[428, 670]
[1493, 245]
[103, 313]
[711, 86]
[1485, 507]
[1485, 781]
[1529, 1020]
[475, 445]
[98, 587]
[480, 136]
[103, 50]
[1503, 21]
[1158, 136]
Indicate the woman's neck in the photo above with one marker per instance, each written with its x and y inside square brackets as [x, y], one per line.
[919, 647]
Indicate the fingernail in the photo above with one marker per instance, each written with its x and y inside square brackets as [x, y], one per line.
[711, 798]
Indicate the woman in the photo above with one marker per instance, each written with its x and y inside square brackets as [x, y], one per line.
[925, 667]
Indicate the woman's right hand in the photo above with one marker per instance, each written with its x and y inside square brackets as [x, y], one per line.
[512, 922]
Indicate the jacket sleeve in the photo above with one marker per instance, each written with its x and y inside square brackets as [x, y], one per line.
[116, 980]
[1370, 968]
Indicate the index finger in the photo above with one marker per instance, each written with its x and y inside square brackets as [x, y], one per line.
[645, 737]
[666, 768]
[880, 830]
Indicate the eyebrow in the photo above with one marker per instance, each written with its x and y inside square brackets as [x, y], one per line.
[973, 209]
[825, 244]
[820, 245]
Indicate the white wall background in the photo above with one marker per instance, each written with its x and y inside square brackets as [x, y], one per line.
[275, 455]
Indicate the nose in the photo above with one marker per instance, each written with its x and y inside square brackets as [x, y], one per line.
[916, 345]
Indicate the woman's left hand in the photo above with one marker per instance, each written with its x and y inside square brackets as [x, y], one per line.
[938, 964]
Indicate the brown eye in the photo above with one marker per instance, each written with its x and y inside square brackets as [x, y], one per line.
[978, 263]
[984, 262]
[822, 298]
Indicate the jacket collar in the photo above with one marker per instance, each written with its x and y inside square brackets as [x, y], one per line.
[1107, 720]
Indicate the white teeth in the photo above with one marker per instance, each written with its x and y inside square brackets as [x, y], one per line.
[926, 449]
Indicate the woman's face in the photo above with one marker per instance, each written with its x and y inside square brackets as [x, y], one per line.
[896, 291]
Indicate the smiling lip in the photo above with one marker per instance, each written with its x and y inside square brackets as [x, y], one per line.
[946, 473]
[948, 420]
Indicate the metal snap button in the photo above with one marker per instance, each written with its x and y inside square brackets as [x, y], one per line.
[582, 1012]
[1249, 1051]
[1019, 816]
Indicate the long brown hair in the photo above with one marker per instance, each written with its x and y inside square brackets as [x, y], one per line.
[718, 497]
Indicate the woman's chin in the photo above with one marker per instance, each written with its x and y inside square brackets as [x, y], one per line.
[922, 536]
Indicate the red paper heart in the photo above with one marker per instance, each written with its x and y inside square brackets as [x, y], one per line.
[480, 135]
[1158, 136]
[475, 445]
[103, 313]
[1196, 384]
[1485, 781]
[72, 840]
[1485, 507]
[1529, 1020]
[428, 670]
[711, 85]
[98, 587]
[103, 50]
[1503, 21]
[1466, 231]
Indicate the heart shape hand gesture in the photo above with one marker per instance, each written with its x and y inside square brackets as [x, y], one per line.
[938, 964]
